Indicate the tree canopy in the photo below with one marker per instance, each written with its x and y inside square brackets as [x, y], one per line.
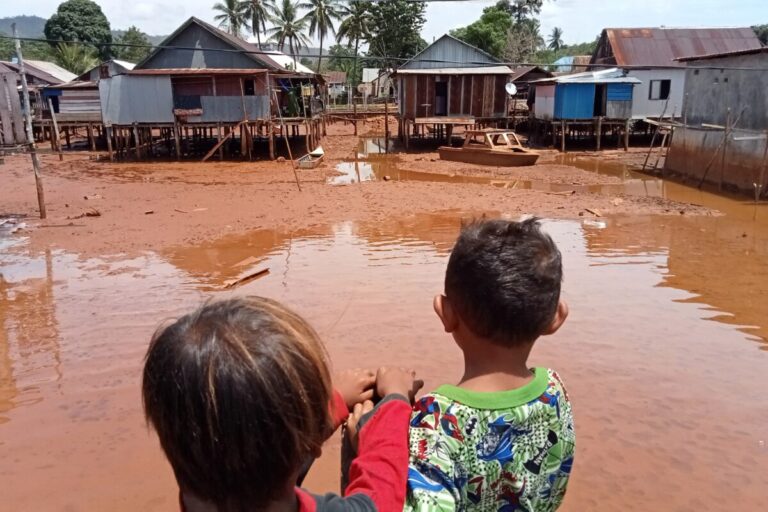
[762, 33]
[489, 33]
[133, 36]
[83, 21]
[396, 28]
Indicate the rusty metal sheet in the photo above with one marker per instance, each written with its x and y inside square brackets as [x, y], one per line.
[659, 47]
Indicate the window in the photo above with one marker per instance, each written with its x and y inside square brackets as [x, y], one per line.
[660, 89]
[249, 87]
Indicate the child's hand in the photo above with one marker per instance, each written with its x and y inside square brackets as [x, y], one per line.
[359, 410]
[399, 381]
[355, 386]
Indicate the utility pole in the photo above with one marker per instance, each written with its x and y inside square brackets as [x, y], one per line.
[28, 119]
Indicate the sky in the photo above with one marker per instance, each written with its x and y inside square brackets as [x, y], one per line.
[581, 20]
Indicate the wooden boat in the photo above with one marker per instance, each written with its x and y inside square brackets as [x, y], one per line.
[311, 160]
[498, 148]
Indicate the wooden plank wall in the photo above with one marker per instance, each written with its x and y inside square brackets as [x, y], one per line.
[468, 95]
[11, 121]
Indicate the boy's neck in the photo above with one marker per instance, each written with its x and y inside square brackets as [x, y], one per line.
[490, 367]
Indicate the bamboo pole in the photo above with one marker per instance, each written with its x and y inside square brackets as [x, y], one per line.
[287, 142]
[28, 119]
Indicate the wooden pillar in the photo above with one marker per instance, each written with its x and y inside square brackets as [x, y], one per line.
[626, 135]
[562, 136]
[136, 148]
[218, 139]
[176, 141]
[406, 133]
[55, 132]
[307, 137]
[91, 139]
[271, 136]
[109, 144]
[599, 131]
[66, 136]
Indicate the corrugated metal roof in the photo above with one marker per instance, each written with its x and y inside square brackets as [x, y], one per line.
[449, 51]
[284, 61]
[659, 47]
[5, 69]
[52, 69]
[124, 63]
[489, 70]
[197, 71]
[605, 76]
[336, 77]
[725, 54]
[520, 72]
[76, 85]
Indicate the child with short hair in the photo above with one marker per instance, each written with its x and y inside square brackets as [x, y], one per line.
[240, 395]
[503, 437]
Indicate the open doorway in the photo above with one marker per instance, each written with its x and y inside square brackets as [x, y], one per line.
[601, 100]
[441, 98]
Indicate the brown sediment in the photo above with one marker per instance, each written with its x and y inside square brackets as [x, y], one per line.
[661, 355]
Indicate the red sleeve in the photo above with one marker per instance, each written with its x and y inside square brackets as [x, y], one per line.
[380, 469]
[339, 410]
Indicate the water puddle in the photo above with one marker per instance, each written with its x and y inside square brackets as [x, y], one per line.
[667, 337]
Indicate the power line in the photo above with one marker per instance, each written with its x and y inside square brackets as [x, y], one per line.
[386, 58]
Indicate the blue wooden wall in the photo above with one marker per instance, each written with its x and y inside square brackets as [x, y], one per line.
[574, 101]
[619, 92]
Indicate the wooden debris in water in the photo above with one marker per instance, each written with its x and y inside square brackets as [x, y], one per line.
[232, 283]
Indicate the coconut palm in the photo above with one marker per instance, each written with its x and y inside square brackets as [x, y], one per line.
[556, 39]
[77, 58]
[356, 26]
[288, 28]
[321, 15]
[233, 15]
[259, 12]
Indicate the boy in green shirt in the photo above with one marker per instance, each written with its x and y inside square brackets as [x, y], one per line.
[502, 438]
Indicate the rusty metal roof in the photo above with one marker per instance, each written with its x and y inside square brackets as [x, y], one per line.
[659, 47]
[520, 72]
[197, 71]
[336, 77]
[725, 54]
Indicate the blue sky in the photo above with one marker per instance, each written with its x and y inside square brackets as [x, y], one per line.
[581, 20]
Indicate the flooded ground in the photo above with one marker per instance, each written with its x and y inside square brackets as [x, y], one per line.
[664, 354]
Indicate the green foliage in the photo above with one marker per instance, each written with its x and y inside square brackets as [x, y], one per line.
[77, 58]
[489, 33]
[762, 33]
[259, 13]
[342, 58]
[133, 36]
[33, 50]
[396, 25]
[81, 20]
[321, 16]
[233, 15]
[356, 26]
[548, 56]
[556, 39]
[288, 27]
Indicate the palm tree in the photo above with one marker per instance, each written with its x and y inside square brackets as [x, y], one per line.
[321, 15]
[356, 26]
[77, 58]
[556, 39]
[288, 27]
[233, 15]
[259, 13]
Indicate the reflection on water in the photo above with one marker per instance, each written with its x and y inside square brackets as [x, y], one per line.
[660, 348]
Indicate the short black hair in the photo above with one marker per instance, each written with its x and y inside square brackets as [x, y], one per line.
[504, 278]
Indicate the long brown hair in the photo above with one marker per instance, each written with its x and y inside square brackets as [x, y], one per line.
[238, 393]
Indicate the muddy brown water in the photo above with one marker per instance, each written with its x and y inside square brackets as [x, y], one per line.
[664, 353]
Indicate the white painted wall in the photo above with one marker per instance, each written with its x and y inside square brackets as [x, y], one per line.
[544, 106]
[643, 107]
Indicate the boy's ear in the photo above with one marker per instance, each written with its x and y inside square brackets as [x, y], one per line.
[559, 319]
[446, 313]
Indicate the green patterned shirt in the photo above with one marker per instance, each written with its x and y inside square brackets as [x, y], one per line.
[506, 451]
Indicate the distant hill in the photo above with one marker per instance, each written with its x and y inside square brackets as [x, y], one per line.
[33, 26]
[28, 26]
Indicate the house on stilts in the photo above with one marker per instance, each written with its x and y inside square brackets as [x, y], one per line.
[203, 91]
[451, 83]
